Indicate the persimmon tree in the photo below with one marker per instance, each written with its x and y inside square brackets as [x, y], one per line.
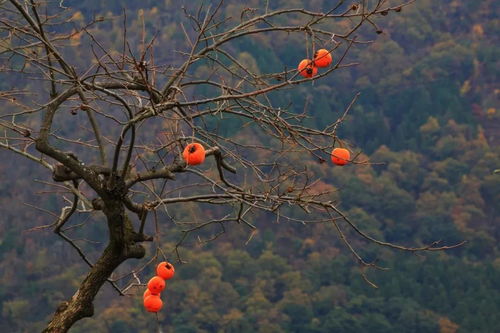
[111, 161]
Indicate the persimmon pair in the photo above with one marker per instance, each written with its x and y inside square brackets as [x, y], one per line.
[309, 68]
[152, 301]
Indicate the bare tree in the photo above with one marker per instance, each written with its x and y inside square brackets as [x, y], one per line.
[123, 171]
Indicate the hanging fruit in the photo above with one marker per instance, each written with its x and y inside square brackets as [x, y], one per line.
[146, 294]
[194, 154]
[322, 58]
[156, 285]
[165, 270]
[307, 69]
[340, 156]
[153, 303]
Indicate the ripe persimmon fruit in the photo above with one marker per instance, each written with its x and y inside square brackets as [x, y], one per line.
[194, 154]
[147, 293]
[153, 303]
[340, 156]
[165, 270]
[322, 58]
[307, 69]
[156, 284]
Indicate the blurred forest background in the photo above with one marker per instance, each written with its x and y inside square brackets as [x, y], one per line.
[428, 109]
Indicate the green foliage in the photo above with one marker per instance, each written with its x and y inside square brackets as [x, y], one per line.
[437, 182]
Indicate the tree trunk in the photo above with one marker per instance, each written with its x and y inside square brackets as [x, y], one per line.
[123, 244]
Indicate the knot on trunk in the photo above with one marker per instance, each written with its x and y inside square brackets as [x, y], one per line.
[134, 250]
[63, 306]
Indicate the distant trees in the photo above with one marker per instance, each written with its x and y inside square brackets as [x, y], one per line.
[111, 128]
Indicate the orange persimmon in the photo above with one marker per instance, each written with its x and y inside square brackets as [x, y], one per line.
[165, 270]
[147, 293]
[153, 303]
[194, 154]
[322, 58]
[156, 285]
[340, 156]
[306, 68]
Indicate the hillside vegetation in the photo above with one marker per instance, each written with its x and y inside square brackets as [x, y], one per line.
[427, 118]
